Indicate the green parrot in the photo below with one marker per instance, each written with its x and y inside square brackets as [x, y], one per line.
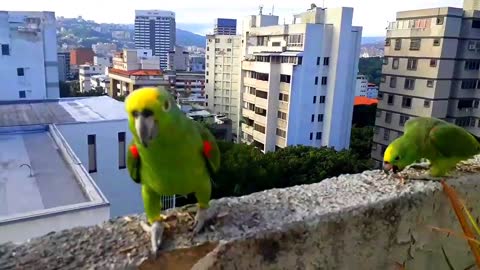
[442, 143]
[170, 154]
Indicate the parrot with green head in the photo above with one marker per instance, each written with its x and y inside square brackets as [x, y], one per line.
[442, 143]
[170, 154]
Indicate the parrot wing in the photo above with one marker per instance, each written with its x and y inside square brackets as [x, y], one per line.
[133, 162]
[453, 141]
[210, 150]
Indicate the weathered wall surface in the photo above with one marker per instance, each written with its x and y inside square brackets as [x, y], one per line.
[364, 221]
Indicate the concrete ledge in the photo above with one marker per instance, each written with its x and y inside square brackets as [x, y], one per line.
[363, 221]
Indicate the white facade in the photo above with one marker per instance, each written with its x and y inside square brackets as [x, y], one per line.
[223, 64]
[361, 86]
[136, 59]
[85, 72]
[103, 63]
[156, 30]
[298, 80]
[28, 55]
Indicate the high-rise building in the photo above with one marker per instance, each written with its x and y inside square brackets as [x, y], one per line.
[223, 61]
[225, 27]
[28, 55]
[64, 66]
[361, 86]
[155, 30]
[298, 80]
[431, 68]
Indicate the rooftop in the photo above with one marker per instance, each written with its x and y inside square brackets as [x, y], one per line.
[364, 101]
[61, 111]
[138, 72]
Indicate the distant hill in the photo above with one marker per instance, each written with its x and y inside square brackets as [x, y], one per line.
[372, 40]
[186, 38]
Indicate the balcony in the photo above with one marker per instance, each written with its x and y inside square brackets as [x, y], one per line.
[248, 113]
[247, 129]
[248, 97]
[285, 87]
[263, 85]
[281, 141]
[261, 102]
[283, 105]
[259, 136]
[282, 124]
[260, 119]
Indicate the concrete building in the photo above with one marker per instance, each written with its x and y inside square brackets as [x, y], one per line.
[85, 72]
[372, 90]
[133, 69]
[225, 27]
[178, 59]
[28, 55]
[156, 30]
[81, 56]
[64, 66]
[223, 65]
[431, 68]
[103, 63]
[361, 86]
[102, 81]
[104, 49]
[221, 126]
[298, 80]
[197, 63]
[188, 87]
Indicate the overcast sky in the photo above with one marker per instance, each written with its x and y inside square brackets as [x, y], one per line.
[198, 15]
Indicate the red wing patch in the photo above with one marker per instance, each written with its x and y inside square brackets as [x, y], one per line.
[134, 151]
[207, 148]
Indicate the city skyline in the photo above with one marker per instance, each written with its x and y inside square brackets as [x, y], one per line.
[197, 17]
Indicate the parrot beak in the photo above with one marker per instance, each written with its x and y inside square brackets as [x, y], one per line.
[146, 128]
[387, 167]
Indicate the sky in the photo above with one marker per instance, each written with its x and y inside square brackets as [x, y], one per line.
[198, 16]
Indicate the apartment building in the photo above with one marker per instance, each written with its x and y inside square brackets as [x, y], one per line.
[431, 68]
[225, 27]
[85, 72]
[361, 86]
[64, 66]
[28, 55]
[178, 59]
[298, 80]
[222, 77]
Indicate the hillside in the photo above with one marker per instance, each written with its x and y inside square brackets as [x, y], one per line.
[186, 38]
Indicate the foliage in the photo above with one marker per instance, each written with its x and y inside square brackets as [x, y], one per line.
[72, 89]
[364, 115]
[361, 141]
[372, 68]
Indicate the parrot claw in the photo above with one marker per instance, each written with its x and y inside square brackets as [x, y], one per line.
[156, 234]
[200, 219]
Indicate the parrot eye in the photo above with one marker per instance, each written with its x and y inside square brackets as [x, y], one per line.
[166, 105]
[397, 158]
[135, 113]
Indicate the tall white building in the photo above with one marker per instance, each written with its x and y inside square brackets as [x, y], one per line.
[298, 80]
[155, 30]
[28, 55]
[361, 86]
[222, 84]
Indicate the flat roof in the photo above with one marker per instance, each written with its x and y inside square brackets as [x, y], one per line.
[61, 111]
[53, 183]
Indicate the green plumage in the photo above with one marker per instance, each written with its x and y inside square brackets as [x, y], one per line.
[442, 143]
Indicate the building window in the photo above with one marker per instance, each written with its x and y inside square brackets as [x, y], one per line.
[469, 84]
[285, 78]
[92, 154]
[314, 99]
[22, 94]
[276, 44]
[409, 84]
[326, 61]
[229, 40]
[440, 20]
[475, 23]
[311, 136]
[208, 49]
[391, 99]
[295, 40]
[472, 64]
[406, 102]
[283, 97]
[324, 80]
[312, 118]
[378, 113]
[383, 78]
[385, 60]
[299, 60]
[282, 115]
[282, 133]
[318, 136]
[318, 61]
[386, 134]
[403, 119]
[393, 82]
[426, 103]
[121, 151]
[412, 64]
[5, 49]
[316, 80]
[380, 96]
[433, 62]
[398, 44]
[322, 99]
[430, 83]
[259, 128]
[217, 40]
[436, 42]
[20, 72]
[387, 42]
[320, 118]
[261, 94]
[395, 63]
[388, 117]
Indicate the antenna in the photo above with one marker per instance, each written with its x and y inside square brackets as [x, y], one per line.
[273, 8]
[323, 4]
[260, 9]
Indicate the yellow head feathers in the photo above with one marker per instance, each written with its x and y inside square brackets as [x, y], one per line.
[387, 156]
[142, 98]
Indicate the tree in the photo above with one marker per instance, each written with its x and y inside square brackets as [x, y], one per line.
[364, 115]
[361, 142]
[372, 68]
[65, 89]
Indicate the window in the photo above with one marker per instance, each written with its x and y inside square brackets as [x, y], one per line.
[207, 72]
[121, 151]
[314, 99]
[283, 97]
[92, 154]
[409, 84]
[426, 103]
[378, 113]
[260, 111]
[388, 117]
[385, 60]
[464, 103]
[436, 42]
[412, 64]
[440, 20]
[380, 96]
[295, 40]
[393, 82]
[229, 40]
[433, 62]
[22, 94]
[20, 72]
[391, 99]
[217, 40]
[312, 118]
[316, 80]
[311, 136]
[415, 44]
[5, 49]
[398, 44]
[282, 115]
[324, 80]
[475, 104]
[386, 134]
[285, 78]
[395, 63]
[282, 133]
[299, 60]
[383, 78]
[406, 102]
[318, 136]
[469, 84]
[326, 61]
[387, 42]
[430, 83]
[318, 61]
[320, 118]
[261, 94]
[229, 50]
[276, 44]
[403, 119]
[472, 64]
[208, 49]
[476, 24]
[259, 128]
[322, 99]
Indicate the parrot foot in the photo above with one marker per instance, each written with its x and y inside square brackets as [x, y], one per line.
[156, 234]
[425, 177]
[200, 219]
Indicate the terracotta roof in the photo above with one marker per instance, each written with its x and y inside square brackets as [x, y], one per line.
[371, 84]
[364, 101]
[138, 72]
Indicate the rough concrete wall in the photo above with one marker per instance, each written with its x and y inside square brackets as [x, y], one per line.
[363, 221]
